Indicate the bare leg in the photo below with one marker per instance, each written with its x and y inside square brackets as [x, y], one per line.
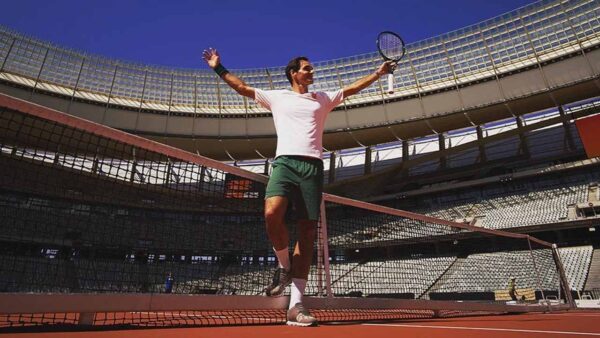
[303, 252]
[275, 208]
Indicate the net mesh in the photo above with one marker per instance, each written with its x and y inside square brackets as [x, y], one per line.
[125, 320]
[90, 210]
[378, 254]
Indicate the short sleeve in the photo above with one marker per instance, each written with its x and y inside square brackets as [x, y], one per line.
[335, 98]
[263, 98]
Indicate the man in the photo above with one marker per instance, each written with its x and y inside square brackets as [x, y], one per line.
[297, 175]
[512, 288]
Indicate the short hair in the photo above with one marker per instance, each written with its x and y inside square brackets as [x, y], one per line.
[294, 65]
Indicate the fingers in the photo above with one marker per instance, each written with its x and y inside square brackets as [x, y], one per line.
[390, 66]
[207, 54]
[387, 67]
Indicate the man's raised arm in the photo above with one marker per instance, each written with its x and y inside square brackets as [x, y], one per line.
[385, 68]
[212, 58]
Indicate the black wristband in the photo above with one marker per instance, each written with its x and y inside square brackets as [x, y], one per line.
[220, 70]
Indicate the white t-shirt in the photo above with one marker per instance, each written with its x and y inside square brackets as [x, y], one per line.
[299, 119]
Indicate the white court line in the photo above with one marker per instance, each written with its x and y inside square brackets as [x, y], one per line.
[570, 314]
[486, 329]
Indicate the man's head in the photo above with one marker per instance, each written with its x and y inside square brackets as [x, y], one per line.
[299, 70]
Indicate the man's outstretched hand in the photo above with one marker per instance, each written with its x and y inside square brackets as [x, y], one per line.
[212, 58]
[387, 67]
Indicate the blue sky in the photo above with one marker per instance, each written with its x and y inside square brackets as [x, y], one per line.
[249, 34]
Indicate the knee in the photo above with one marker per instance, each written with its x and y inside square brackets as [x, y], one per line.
[272, 216]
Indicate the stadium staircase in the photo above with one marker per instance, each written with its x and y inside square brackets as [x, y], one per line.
[443, 278]
[593, 279]
[335, 279]
[362, 271]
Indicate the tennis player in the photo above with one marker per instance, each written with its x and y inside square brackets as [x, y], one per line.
[297, 176]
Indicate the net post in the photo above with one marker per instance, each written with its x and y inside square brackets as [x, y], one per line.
[320, 269]
[86, 318]
[564, 283]
[325, 249]
[537, 275]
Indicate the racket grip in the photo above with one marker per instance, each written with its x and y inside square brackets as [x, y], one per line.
[390, 88]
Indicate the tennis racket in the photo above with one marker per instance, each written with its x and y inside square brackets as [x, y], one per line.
[391, 47]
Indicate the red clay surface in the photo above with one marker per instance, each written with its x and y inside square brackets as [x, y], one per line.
[565, 324]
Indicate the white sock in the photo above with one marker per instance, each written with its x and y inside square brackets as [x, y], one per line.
[298, 286]
[283, 257]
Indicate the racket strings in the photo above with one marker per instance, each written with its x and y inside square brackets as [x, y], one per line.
[391, 46]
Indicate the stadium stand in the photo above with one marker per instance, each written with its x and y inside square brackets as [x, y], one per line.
[473, 272]
[538, 200]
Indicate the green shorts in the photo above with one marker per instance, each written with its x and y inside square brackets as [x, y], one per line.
[300, 179]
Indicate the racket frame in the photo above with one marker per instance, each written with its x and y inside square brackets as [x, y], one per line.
[390, 87]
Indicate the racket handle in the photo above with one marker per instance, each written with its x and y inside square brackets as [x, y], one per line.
[390, 88]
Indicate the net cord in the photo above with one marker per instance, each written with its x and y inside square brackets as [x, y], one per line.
[424, 218]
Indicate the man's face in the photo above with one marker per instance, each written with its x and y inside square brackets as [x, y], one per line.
[304, 76]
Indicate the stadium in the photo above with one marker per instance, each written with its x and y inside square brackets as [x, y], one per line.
[132, 195]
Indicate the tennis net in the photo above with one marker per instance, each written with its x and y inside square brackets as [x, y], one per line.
[100, 227]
